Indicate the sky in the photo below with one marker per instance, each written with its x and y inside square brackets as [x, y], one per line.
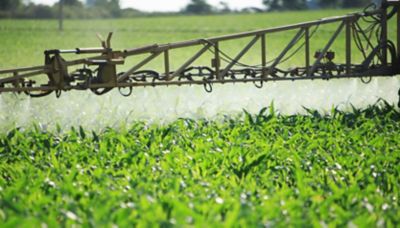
[171, 5]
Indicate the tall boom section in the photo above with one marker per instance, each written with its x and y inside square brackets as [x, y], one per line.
[366, 34]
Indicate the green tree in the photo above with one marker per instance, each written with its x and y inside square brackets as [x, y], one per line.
[273, 4]
[355, 3]
[328, 3]
[224, 7]
[285, 4]
[90, 2]
[9, 5]
[38, 11]
[198, 7]
[72, 2]
[115, 8]
[111, 7]
[9, 8]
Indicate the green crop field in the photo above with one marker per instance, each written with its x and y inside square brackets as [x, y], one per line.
[264, 170]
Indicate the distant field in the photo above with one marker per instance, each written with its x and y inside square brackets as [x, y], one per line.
[339, 169]
[23, 41]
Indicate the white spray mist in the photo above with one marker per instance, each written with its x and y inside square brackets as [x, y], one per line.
[165, 104]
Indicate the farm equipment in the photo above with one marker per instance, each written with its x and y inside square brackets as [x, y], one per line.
[368, 30]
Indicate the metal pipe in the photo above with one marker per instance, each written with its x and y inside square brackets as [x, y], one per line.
[28, 89]
[22, 76]
[166, 63]
[217, 61]
[90, 50]
[140, 50]
[348, 46]
[384, 73]
[165, 83]
[384, 35]
[398, 35]
[22, 69]
[307, 47]
[188, 43]
[263, 55]
[85, 60]
[285, 28]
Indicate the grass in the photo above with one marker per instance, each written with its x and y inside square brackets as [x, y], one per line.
[253, 170]
[250, 170]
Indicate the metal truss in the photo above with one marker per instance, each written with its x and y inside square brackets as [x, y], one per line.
[381, 57]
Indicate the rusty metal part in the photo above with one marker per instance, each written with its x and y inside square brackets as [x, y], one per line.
[100, 73]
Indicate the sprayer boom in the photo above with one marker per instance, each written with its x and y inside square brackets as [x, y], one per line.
[381, 57]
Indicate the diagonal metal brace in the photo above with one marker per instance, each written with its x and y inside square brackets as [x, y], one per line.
[239, 56]
[288, 47]
[326, 48]
[190, 61]
[138, 66]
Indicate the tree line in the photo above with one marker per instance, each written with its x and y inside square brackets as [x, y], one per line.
[305, 4]
[112, 9]
[71, 9]
[202, 7]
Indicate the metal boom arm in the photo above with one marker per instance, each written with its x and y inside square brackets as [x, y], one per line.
[99, 73]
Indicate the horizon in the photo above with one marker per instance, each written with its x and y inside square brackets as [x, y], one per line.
[171, 5]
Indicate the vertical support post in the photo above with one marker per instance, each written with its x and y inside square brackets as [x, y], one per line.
[384, 34]
[61, 15]
[307, 47]
[217, 61]
[398, 35]
[166, 63]
[16, 82]
[263, 55]
[348, 46]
